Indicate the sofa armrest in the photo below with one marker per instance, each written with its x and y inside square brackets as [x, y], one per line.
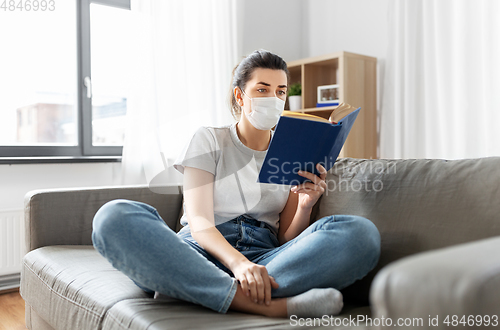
[64, 216]
[458, 280]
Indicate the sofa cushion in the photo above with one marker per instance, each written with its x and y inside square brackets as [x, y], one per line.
[163, 314]
[72, 287]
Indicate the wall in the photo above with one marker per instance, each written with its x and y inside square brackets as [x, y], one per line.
[17, 180]
[357, 26]
[277, 26]
[296, 29]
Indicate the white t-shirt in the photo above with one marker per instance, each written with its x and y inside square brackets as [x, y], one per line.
[236, 167]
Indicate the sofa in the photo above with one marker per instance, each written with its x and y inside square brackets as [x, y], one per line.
[439, 222]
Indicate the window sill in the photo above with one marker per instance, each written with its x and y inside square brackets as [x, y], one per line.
[60, 160]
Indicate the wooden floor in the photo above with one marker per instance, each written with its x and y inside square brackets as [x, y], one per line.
[11, 311]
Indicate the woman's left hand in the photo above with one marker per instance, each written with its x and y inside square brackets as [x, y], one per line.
[310, 192]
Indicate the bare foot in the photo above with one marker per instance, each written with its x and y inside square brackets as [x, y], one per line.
[243, 303]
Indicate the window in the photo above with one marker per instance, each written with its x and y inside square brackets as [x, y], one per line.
[63, 80]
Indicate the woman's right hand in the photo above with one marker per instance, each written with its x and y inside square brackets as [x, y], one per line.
[255, 281]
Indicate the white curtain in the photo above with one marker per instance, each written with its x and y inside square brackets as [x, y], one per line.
[442, 84]
[184, 55]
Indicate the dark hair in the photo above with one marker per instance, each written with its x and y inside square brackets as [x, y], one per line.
[242, 73]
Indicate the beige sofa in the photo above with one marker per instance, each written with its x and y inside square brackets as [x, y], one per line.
[439, 222]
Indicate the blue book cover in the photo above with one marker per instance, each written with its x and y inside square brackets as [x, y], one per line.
[299, 144]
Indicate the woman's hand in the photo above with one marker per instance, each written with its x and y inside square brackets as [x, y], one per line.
[310, 192]
[255, 281]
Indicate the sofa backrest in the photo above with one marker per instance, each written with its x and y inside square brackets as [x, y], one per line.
[417, 204]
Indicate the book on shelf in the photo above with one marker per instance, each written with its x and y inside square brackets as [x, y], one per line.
[301, 141]
[327, 104]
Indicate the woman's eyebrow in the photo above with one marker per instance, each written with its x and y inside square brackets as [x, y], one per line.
[266, 84]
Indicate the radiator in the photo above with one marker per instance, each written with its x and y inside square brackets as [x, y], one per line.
[11, 242]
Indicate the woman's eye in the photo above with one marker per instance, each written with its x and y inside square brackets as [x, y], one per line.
[281, 92]
[261, 90]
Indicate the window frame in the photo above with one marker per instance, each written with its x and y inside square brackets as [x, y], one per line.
[84, 149]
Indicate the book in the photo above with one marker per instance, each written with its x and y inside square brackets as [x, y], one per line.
[301, 141]
[329, 104]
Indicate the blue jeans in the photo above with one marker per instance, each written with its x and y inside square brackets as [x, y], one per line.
[334, 251]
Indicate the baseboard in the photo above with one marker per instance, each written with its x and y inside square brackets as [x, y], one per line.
[10, 282]
[15, 290]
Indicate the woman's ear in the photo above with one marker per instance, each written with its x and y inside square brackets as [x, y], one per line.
[238, 95]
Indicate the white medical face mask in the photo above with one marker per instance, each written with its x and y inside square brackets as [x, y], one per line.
[266, 111]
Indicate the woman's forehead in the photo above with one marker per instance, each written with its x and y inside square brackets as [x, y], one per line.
[268, 76]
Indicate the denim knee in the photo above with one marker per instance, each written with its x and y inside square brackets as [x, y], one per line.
[108, 219]
[360, 233]
[108, 215]
[367, 237]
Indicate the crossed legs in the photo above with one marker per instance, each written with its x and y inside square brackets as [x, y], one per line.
[331, 253]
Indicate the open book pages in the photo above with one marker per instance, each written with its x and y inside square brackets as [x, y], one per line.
[341, 111]
[337, 114]
[305, 116]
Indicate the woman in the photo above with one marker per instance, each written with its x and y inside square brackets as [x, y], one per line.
[244, 246]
